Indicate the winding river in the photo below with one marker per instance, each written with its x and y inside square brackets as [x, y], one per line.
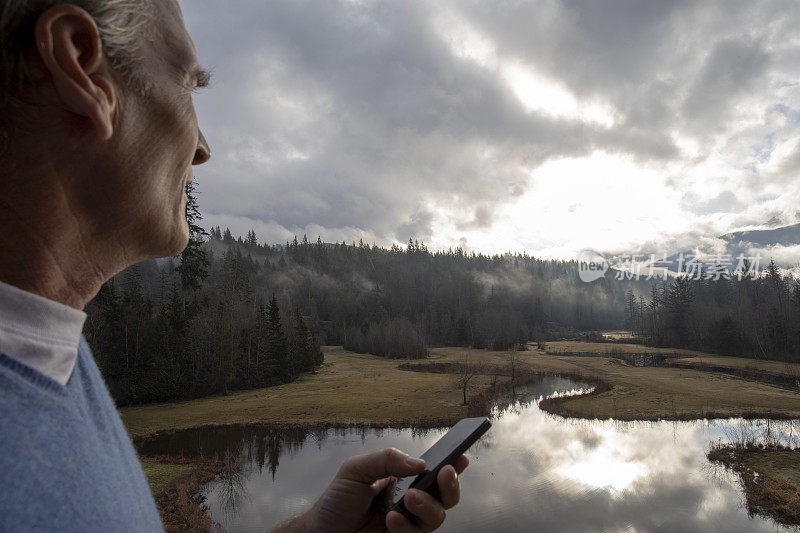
[532, 472]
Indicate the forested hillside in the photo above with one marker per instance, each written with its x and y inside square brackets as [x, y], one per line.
[364, 296]
[233, 313]
[750, 316]
[207, 322]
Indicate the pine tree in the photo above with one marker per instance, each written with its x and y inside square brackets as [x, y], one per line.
[251, 239]
[630, 310]
[678, 302]
[277, 349]
[304, 347]
[194, 260]
[263, 371]
[170, 347]
[298, 340]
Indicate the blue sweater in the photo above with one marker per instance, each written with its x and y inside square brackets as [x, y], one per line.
[66, 461]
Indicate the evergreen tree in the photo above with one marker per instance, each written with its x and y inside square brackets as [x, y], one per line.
[251, 240]
[304, 348]
[193, 268]
[277, 349]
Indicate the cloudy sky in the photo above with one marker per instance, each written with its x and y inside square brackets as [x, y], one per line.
[496, 125]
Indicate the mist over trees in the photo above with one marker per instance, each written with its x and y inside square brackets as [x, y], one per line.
[744, 315]
[361, 296]
[231, 313]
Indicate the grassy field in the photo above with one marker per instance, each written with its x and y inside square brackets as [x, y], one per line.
[778, 367]
[566, 347]
[363, 389]
[349, 389]
[652, 393]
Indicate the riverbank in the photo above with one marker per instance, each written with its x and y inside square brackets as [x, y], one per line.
[663, 393]
[349, 390]
[770, 477]
[358, 389]
[175, 483]
[363, 390]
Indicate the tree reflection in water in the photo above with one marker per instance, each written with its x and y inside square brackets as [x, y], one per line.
[532, 470]
[230, 487]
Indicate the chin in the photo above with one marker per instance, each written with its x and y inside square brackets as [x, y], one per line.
[181, 241]
[174, 241]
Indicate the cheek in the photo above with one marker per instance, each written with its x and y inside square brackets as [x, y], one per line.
[173, 130]
[186, 126]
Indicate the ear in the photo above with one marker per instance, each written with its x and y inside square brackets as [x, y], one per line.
[70, 47]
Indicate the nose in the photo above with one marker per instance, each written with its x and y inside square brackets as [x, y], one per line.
[202, 153]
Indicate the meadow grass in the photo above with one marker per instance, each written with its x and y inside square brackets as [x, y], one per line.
[566, 347]
[724, 361]
[162, 475]
[360, 389]
[349, 389]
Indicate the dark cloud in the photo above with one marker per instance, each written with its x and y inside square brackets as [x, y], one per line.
[350, 115]
[730, 70]
[356, 116]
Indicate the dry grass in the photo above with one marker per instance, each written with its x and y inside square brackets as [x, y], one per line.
[356, 389]
[176, 483]
[770, 477]
[161, 475]
[350, 389]
[723, 361]
[650, 393]
[567, 347]
[618, 335]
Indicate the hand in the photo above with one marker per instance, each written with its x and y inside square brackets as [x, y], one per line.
[345, 504]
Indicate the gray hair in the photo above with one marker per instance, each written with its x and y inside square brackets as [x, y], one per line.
[120, 22]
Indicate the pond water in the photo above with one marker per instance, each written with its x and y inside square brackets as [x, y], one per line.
[531, 472]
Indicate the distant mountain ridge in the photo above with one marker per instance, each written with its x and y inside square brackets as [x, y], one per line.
[784, 236]
[744, 243]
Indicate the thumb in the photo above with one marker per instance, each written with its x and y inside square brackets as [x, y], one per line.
[369, 467]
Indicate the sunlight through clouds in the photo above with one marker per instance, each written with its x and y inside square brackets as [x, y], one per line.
[536, 92]
[602, 201]
[464, 41]
[542, 95]
[543, 127]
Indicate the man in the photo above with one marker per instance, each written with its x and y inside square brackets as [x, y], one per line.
[99, 136]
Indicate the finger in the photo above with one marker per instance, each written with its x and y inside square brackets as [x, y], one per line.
[369, 467]
[428, 510]
[381, 484]
[449, 488]
[397, 523]
[461, 464]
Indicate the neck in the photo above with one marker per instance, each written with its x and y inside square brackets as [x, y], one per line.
[48, 249]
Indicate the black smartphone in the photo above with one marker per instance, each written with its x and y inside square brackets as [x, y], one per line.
[445, 452]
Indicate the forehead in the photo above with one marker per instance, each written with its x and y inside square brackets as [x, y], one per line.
[171, 41]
